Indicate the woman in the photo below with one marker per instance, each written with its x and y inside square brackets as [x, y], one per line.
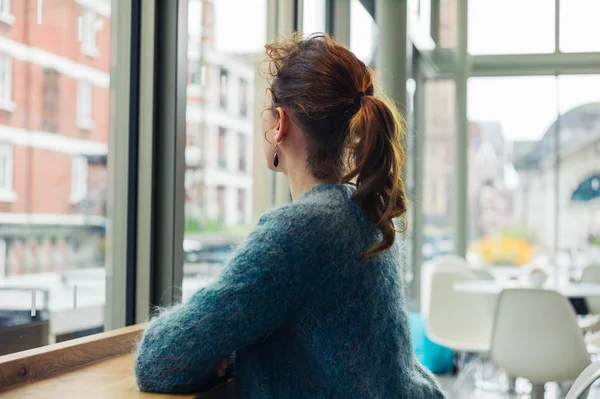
[313, 302]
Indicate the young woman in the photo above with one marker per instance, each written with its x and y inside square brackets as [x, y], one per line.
[313, 302]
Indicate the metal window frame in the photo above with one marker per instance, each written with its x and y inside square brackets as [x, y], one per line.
[121, 234]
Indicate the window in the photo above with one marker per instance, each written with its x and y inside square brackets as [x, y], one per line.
[223, 87]
[5, 7]
[243, 97]
[6, 78]
[196, 134]
[51, 100]
[363, 33]
[79, 179]
[243, 159]
[526, 210]
[84, 106]
[222, 160]
[221, 203]
[89, 24]
[242, 206]
[438, 177]
[195, 72]
[6, 172]
[213, 200]
[5, 15]
[579, 30]
[531, 26]
[313, 16]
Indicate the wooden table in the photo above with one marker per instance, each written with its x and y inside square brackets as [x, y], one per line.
[107, 379]
[94, 367]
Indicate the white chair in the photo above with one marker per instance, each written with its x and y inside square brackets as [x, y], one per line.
[591, 274]
[585, 380]
[591, 323]
[427, 272]
[458, 320]
[536, 337]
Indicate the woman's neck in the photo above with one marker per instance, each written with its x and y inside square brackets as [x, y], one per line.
[302, 181]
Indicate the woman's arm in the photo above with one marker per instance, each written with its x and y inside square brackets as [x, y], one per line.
[180, 349]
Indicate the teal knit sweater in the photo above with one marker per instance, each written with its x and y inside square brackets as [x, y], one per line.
[306, 317]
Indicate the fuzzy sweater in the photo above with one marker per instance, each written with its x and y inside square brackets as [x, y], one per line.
[306, 317]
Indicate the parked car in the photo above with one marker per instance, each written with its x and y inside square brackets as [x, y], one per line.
[196, 251]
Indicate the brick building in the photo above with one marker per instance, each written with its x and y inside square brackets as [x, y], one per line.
[54, 116]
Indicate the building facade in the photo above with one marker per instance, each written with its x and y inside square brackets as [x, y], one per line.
[220, 117]
[54, 96]
[54, 129]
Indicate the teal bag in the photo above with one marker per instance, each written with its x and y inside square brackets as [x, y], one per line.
[436, 358]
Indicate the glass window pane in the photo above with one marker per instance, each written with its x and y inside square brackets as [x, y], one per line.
[511, 172]
[579, 182]
[363, 33]
[448, 23]
[511, 26]
[221, 112]
[54, 121]
[438, 168]
[313, 16]
[579, 28]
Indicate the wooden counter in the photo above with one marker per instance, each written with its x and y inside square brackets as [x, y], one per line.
[95, 367]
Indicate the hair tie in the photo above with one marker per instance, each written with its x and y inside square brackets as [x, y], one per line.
[359, 97]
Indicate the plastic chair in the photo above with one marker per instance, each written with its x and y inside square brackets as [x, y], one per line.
[427, 271]
[591, 274]
[585, 380]
[536, 337]
[458, 320]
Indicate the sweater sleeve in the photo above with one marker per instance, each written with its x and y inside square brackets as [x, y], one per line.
[180, 349]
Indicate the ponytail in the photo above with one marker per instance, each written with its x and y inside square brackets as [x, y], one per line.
[353, 136]
[375, 166]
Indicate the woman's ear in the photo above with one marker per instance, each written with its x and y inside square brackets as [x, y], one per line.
[283, 125]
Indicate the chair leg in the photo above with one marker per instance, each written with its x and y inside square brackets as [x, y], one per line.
[537, 391]
[512, 385]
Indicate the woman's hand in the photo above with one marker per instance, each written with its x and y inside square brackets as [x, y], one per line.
[222, 367]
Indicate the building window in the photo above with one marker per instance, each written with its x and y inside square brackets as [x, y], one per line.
[242, 205]
[50, 100]
[196, 133]
[222, 156]
[243, 97]
[84, 106]
[6, 172]
[223, 85]
[5, 15]
[89, 24]
[195, 73]
[6, 102]
[5, 7]
[221, 202]
[243, 159]
[79, 179]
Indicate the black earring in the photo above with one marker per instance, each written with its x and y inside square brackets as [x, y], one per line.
[276, 157]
